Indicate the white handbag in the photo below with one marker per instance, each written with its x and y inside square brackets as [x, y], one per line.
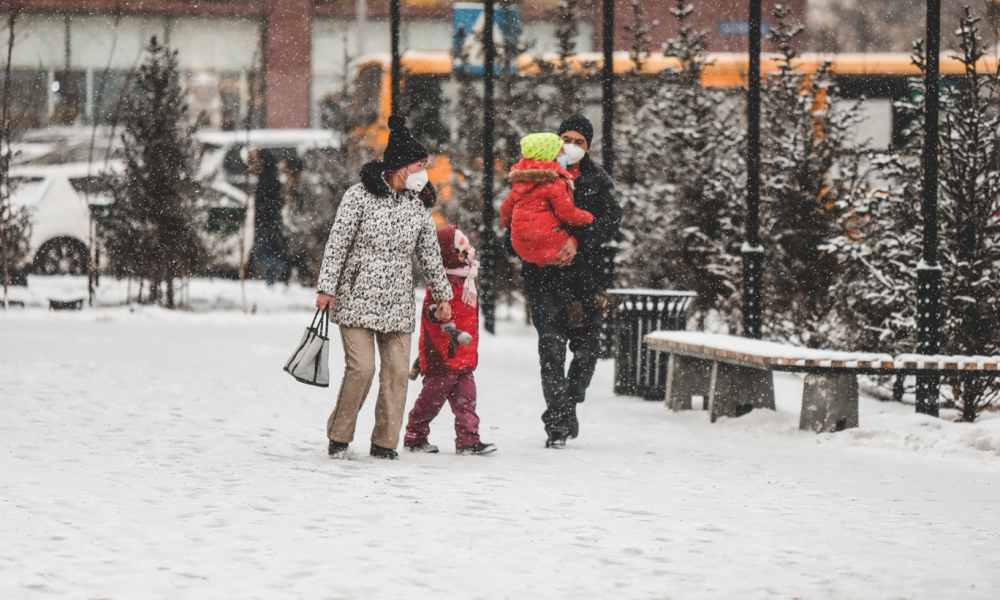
[310, 363]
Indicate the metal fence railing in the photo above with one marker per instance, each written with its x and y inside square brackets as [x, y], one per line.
[640, 371]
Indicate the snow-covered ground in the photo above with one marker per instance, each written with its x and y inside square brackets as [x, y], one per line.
[146, 453]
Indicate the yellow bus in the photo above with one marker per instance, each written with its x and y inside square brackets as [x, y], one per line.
[881, 78]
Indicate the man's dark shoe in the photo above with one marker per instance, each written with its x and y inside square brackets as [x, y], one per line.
[426, 448]
[386, 453]
[337, 449]
[556, 440]
[478, 448]
[574, 428]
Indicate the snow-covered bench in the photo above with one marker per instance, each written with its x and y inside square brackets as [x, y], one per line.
[734, 374]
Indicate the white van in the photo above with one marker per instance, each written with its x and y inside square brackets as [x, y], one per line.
[53, 178]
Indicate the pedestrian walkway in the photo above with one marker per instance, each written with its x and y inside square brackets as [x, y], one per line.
[165, 454]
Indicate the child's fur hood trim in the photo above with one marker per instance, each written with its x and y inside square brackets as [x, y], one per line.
[533, 176]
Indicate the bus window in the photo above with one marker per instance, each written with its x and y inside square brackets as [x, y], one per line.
[880, 127]
[367, 96]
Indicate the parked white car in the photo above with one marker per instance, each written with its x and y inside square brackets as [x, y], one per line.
[53, 179]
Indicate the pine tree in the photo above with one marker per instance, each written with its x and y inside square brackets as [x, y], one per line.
[644, 115]
[808, 169]
[465, 208]
[884, 245]
[880, 242]
[565, 81]
[15, 227]
[970, 178]
[708, 173]
[634, 92]
[154, 222]
[683, 202]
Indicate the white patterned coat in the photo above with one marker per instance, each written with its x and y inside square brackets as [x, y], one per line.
[366, 264]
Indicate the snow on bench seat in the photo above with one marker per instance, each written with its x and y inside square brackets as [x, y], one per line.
[942, 362]
[765, 353]
[785, 355]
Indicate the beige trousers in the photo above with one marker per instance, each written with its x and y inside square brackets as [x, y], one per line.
[359, 370]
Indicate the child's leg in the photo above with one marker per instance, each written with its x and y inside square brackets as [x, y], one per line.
[463, 403]
[432, 397]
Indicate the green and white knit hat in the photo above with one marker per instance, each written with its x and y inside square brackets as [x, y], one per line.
[541, 146]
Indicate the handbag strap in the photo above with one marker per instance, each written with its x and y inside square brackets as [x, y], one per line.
[324, 323]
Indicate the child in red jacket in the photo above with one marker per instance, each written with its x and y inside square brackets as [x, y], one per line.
[540, 205]
[449, 353]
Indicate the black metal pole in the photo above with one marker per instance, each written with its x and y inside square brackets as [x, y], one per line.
[928, 271]
[394, 35]
[488, 299]
[608, 81]
[753, 252]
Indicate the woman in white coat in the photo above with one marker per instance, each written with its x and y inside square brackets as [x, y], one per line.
[366, 283]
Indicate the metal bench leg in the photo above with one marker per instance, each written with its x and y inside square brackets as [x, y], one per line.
[735, 391]
[829, 403]
[687, 377]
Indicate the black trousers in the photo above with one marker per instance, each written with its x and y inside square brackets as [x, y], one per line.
[562, 390]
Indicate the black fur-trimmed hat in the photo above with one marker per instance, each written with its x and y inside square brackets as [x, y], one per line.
[402, 148]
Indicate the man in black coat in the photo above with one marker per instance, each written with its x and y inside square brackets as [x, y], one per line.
[551, 290]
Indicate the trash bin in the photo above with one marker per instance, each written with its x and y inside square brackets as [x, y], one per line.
[640, 371]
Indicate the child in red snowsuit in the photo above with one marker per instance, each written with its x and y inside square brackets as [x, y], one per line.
[448, 358]
[540, 205]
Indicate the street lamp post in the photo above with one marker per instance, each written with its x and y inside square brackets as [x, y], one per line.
[929, 271]
[394, 37]
[488, 298]
[753, 252]
[608, 84]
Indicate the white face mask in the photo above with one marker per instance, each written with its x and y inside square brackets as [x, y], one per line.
[574, 153]
[417, 181]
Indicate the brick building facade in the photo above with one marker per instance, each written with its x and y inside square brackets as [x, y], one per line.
[278, 55]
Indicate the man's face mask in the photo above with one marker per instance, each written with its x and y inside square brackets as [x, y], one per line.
[573, 153]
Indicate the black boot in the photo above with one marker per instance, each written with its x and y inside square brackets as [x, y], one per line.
[556, 440]
[386, 453]
[337, 449]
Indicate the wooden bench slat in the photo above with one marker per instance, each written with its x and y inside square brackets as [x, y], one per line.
[779, 354]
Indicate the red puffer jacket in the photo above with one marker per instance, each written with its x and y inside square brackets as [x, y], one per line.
[539, 208]
[437, 352]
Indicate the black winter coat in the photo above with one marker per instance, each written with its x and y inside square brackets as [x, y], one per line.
[594, 193]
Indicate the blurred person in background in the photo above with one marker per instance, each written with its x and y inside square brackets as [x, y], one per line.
[268, 240]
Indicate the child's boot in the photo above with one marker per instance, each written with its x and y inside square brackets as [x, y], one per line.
[478, 448]
[426, 448]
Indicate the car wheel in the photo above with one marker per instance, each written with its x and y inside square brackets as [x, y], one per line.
[61, 256]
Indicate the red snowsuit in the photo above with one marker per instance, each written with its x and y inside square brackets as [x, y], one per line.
[447, 367]
[539, 208]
